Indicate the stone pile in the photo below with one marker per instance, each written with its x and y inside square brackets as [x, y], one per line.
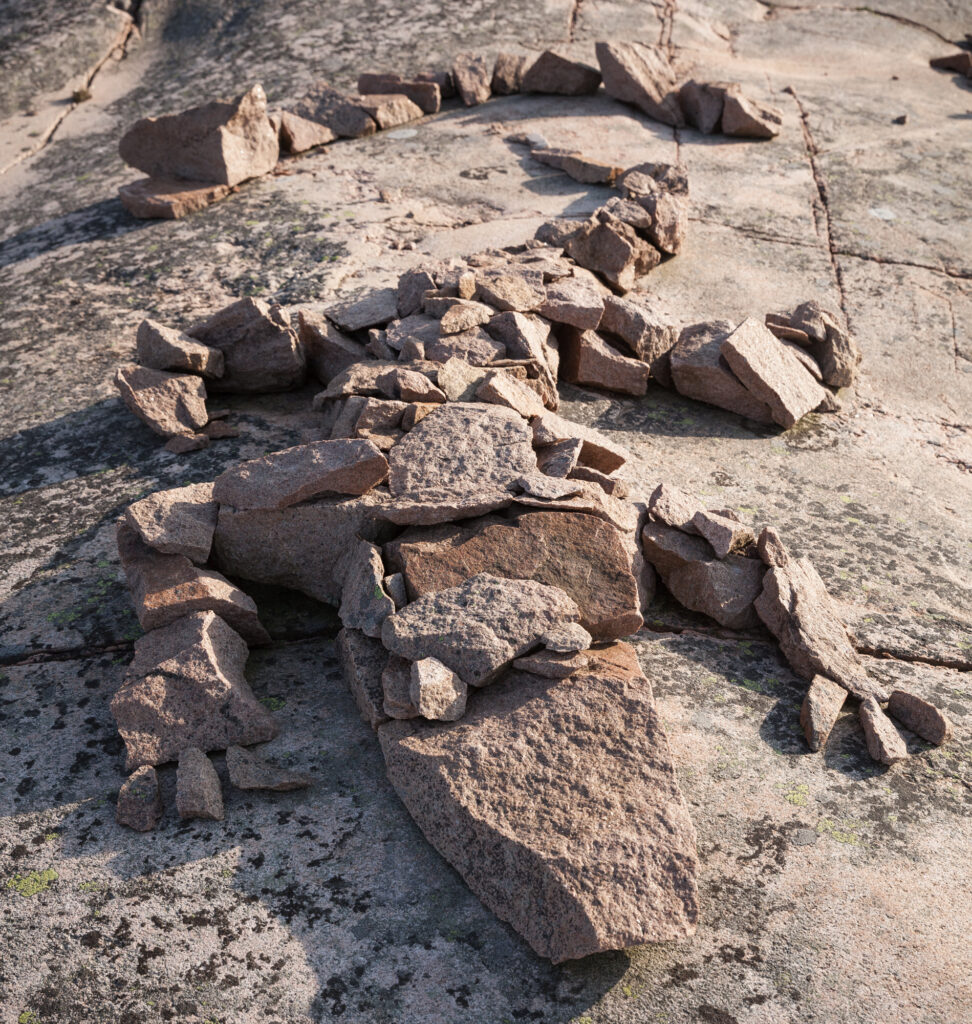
[200, 155]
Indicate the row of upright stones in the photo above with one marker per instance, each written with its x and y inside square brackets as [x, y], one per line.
[199, 156]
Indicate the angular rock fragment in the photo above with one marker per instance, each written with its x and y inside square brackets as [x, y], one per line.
[960, 63]
[165, 588]
[884, 743]
[412, 386]
[436, 692]
[389, 110]
[459, 381]
[180, 521]
[699, 371]
[640, 74]
[367, 379]
[412, 286]
[341, 114]
[588, 359]
[551, 664]
[248, 771]
[748, 118]
[328, 351]
[674, 507]
[443, 79]
[363, 660]
[668, 215]
[376, 309]
[568, 638]
[701, 103]
[478, 627]
[396, 684]
[186, 688]
[220, 142]
[168, 403]
[608, 484]
[169, 198]
[139, 803]
[552, 72]
[771, 548]
[723, 533]
[649, 337]
[395, 589]
[508, 73]
[575, 302]
[834, 350]
[462, 315]
[518, 291]
[442, 505]
[575, 870]
[473, 78]
[425, 95]
[820, 709]
[670, 177]
[163, 348]
[598, 452]
[260, 348]
[585, 169]
[558, 232]
[364, 603]
[613, 250]
[297, 474]
[796, 608]
[560, 459]
[183, 443]
[299, 134]
[770, 372]
[581, 555]
[920, 717]
[525, 336]
[474, 346]
[500, 388]
[199, 793]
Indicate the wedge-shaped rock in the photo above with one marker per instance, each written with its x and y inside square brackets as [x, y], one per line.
[501, 388]
[584, 556]
[725, 534]
[139, 803]
[674, 507]
[574, 869]
[598, 451]
[747, 118]
[508, 73]
[261, 350]
[552, 664]
[168, 587]
[220, 142]
[345, 117]
[180, 521]
[920, 717]
[473, 77]
[699, 371]
[835, 351]
[771, 373]
[436, 691]
[517, 291]
[248, 771]
[199, 793]
[884, 743]
[328, 351]
[478, 627]
[796, 608]
[462, 447]
[186, 688]
[169, 198]
[304, 547]
[163, 348]
[701, 103]
[389, 110]
[425, 95]
[458, 315]
[305, 471]
[575, 302]
[553, 72]
[299, 134]
[613, 250]
[820, 709]
[363, 660]
[474, 346]
[640, 74]
[364, 603]
[560, 459]
[377, 308]
[668, 215]
[585, 169]
[588, 359]
[647, 335]
[170, 404]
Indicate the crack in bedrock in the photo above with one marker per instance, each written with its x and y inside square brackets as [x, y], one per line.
[861, 9]
[572, 17]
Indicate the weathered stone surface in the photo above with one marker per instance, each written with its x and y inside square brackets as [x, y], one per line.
[411, 386]
[462, 447]
[168, 403]
[363, 660]
[220, 142]
[574, 302]
[183, 443]
[508, 73]
[425, 95]
[473, 77]
[341, 114]
[553, 72]
[396, 685]
[139, 803]
[501, 388]
[884, 743]
[585, 169]
[832, 347]
[647, 335]
[920, 717]
[747, 118]
[186, 688]
[299, 134]
[169, 198]
[367, 379]
[771, 548]
[474, 346]
[796, 608]
[699, 371]
[674, 507]
[589, 360]
[377, 308]
[598, 451]
[395, 589]
[328, 351]
[701, 103]
[670, 549]
[539, 485]
[390, 110]
[510, 291]
[442, 505]
[722, 532]
[479, 626]
[165, 588]
[305, 471]
[568, 638]
[641, 75]
[668, 214]
[559, 459]
[770, 372]
[364, 603]
[261, 350]
[163, 348]
[459, 381]
[574, 870]
[608, 484]
[436, 691]
[459, 315]
[525, 336]
[820, 709]
[412, 286]
[311, 542]
[613, 250]
[199, 793]
[582, 555]
[180, 521]
[248, 771]
[552, 664]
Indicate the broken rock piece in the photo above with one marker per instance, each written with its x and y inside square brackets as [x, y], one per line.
[363, 660]
[436, 691]
[640, 74]
[587, 359]
[647, 335]
[501, 388]
[376, 309]
[328, 351]
[551, 664]
[396, 685]
[199, 793]
[920, 717]
[248, 771]
[168, 403]
[573, 301]
[674, 507]
[389, 110]
[598, 450]
[820, 709]
[169, 198]
[884, 743]
[747, 118]
[180, 521]
[613, 250]
[139, 803]
[339, 113]
[473, 78]
[723, 533]
[832, 347]
[425, 95]
[552, 72]
[584, 169]
[508, 73]
[574, 869]
[299, 134]
[478, 627]
[163, 348]
[220, 142]
[701, 103]
[364, 603]
[306, 471]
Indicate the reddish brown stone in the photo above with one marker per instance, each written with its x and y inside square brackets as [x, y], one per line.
[884, 743]
[598, 451]
[199, 793]
[552, 72]
[701, 103]
[341, 114]
[920, 717]
[748, 118]
[473, 78]
[613, 250]
[820, 709]
[640, 74]
[180, 521]
[647, 335]
[299, 134]
[389, 110]
[169, 198]
[508, 73]
[168, 403]
[163, 348]
[575, 302]
[425, 95]
[328, 350]
[248, 771]
[363, 661]
[588, 359]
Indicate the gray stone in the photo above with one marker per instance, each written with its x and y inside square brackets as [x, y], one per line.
[568, 638]
[248, 771]
[363, 660]
[436, 692]
[364, 603]
[139, 803]
[180, 521]
[170, 404]
[199, 793]
[163, 348]
[701, 103]
[560, 459]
